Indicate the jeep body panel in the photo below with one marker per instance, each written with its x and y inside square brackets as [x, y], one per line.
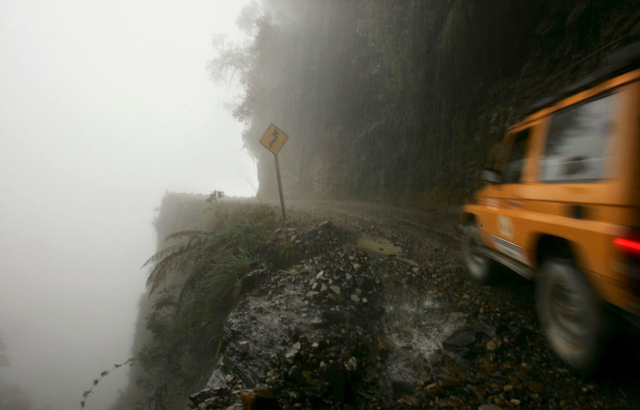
[514, 216]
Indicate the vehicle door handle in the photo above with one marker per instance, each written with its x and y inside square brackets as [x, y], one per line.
[515, 203]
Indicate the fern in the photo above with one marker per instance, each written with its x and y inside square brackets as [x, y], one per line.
[184, 234]
[195, 281]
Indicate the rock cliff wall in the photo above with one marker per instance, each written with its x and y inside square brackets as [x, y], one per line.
[386, 101]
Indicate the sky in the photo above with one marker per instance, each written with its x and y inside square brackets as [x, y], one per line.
[104, 106]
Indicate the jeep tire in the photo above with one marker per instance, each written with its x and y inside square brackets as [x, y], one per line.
[478, 264]
[570, 314]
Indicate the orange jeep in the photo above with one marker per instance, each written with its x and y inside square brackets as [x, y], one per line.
[563, 206]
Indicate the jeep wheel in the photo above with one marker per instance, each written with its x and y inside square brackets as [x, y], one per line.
[570, 314]
[478, 264]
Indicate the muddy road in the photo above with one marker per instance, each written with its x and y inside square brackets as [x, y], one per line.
[380, 314]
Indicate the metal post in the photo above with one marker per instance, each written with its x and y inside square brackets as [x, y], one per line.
[284, 216]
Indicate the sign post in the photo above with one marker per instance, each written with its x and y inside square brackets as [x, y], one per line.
[273, 140]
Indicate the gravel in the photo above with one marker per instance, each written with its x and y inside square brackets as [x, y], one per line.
[353, 328]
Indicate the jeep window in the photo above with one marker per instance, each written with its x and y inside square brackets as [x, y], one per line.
[578, 145]
[515, 165]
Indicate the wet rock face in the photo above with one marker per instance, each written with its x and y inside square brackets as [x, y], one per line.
[308, 346]
[311, 336]
[312, 348]
[353, 329]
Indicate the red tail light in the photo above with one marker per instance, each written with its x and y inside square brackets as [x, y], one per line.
[628, 245]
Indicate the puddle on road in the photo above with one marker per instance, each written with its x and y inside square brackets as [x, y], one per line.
[378, 245]
[382, 246]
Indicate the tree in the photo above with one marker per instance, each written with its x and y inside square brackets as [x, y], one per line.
[4, 360]
[397, 100]
[12, 397]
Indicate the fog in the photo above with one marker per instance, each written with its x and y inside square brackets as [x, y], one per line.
[105, 106]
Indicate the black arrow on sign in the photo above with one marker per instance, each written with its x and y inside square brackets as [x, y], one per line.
[275, 134]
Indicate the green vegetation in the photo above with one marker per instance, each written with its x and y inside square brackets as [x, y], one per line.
[12, 396]
[4, 360]
[103, 374]
[197, 277]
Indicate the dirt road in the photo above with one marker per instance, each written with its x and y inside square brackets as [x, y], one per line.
[382, 315]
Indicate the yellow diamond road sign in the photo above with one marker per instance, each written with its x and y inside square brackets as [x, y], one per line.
[274, 139]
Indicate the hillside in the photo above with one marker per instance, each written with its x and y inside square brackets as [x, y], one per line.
[353, 305]
[403, 100]
[384, 102]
